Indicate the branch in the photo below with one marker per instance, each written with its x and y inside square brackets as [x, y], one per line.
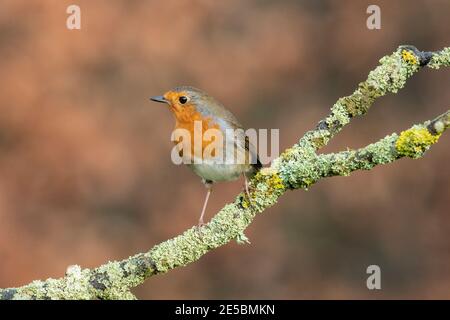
[298, 167]
[412, 143]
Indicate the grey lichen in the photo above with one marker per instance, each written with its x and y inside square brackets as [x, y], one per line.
[345, 162]
[440, 59]
[298, 167]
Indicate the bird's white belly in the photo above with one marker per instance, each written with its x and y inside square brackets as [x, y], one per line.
[218, 171]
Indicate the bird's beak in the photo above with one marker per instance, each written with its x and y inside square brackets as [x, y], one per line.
[159, 99]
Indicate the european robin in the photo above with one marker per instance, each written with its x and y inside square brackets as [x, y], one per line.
[235, 155]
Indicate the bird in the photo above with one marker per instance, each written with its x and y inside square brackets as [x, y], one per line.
[196, 112]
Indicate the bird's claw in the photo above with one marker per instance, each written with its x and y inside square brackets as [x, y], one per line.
[200, 224]
[247, 193]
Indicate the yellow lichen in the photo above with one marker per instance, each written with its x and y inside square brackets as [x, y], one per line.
[275, 182]
[414, 142]
[269, 177]
[409, 57]
[265, 185]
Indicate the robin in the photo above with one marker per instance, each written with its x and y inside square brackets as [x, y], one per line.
[235, 156]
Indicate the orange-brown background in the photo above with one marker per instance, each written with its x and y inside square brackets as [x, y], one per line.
[85, 170]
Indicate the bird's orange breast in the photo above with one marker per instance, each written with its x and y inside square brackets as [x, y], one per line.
[186, 118]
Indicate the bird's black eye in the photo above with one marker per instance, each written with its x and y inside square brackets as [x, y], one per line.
[183, 99]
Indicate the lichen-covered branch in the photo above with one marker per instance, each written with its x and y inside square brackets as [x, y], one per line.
[298, 167]
[412, 143]
[389, 77]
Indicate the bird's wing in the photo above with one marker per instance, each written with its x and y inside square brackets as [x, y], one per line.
[242, 142]
[253, 154]
[227, 120]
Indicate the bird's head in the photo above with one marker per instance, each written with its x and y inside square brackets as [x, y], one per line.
[186, 101]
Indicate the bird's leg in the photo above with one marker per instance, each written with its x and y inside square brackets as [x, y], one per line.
[246, 188]
[247, 192]
[208, 185]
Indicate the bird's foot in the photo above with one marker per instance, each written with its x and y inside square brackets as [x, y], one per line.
[246, 189]
[247, 192]
[199, 228]
[200, 223]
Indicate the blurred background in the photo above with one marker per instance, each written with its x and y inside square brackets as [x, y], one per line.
[85, 169]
